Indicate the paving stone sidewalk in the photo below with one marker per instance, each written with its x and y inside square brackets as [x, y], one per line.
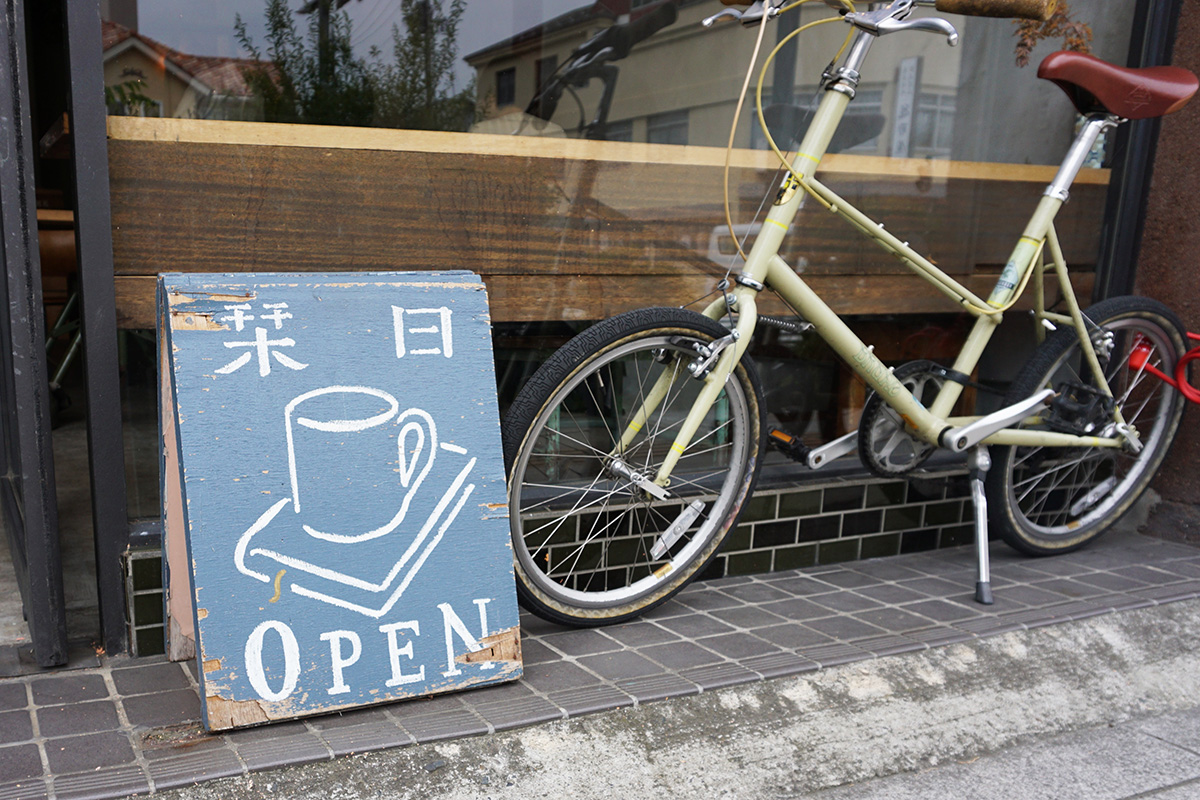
[132, 726]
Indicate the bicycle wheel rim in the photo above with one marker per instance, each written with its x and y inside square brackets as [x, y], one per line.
[1061, 496]
[609, 514]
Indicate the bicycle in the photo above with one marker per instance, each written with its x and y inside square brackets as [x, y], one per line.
[633, 449]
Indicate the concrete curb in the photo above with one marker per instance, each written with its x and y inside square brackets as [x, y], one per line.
[793, 736]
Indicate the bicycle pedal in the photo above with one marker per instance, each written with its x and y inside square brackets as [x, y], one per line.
[789, 445]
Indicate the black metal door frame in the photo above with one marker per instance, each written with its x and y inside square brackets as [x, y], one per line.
[1151, 42]
[27, 484]
[98, 311]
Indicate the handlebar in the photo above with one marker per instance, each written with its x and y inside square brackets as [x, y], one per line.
[1019, 9]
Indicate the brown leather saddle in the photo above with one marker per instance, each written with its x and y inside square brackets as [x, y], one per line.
[1133, 93]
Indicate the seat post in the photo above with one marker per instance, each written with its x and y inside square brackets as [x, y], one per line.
[1060, 187]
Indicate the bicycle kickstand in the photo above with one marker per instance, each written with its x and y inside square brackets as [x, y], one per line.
[978, 463]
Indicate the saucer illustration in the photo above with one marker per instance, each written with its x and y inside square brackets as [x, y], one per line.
[373, 492]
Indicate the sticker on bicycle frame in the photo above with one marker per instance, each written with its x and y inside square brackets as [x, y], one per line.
[791, 184]
[339, 487]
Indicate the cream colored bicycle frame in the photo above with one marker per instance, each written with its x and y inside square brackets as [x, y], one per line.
[764, 265]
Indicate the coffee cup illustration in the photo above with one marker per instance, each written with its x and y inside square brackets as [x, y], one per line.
[355, 461]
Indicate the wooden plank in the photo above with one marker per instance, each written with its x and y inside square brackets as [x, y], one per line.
[185, 131]
[519, 299]
[568, 239]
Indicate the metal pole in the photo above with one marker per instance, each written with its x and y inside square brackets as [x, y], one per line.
[98, 315]
[28, 482]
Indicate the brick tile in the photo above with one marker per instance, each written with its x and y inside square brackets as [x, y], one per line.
[885, 570]
[939, 635]
[25, 789]
[365, 738]
[15, 726]
[889, 645]
[619, 666]
[1109, 582]
[534, 652]
[162, 708]
[150, 678]
[581, 642]
[798, 609]
[88, 752]
[192, 767]
[557, 676]
[658, 687]
[933, 587]
[792, 635]
[640, 634]
[1147, 575]
[987, 626]
[518, 713]
[831, 655]
[718, 676]
[777, 665]
[696, 625]
[590, 699]
[13, 696]
[845, 628]
[21, 761]
[708, 600]
[1068, 587]
[680, 655]
[893, 619]
[737, 646]
[940, 610]
[68, 689]
[845, 602]
[747, 617]
[756, 592]
[799, 585]
[890, 593]
[77, 718]
[112, 782]
[449, 724]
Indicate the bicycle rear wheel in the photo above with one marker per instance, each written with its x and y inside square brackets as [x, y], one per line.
[590, 546]
[1046, 500]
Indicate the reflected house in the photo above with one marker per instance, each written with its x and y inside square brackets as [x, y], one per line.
[680, 86]
[175, 84]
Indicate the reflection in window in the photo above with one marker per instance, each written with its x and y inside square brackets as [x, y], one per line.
[506, 87]
[545, 68]
[619, 131]
[933, 134]
[668, 128]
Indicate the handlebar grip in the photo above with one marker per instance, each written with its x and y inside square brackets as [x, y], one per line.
[1022, 9]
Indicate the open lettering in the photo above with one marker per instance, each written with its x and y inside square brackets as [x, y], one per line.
[274, 643]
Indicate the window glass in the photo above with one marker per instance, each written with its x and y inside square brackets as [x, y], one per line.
[540, 144]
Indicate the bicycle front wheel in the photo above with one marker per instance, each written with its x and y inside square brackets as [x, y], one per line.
[1045, 500]
[591, 545]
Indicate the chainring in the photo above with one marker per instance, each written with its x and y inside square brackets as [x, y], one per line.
[886, 445]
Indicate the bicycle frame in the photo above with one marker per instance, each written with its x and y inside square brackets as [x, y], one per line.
[765, 268]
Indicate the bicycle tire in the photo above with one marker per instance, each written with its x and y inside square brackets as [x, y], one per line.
[1053, 500]
[582, 535]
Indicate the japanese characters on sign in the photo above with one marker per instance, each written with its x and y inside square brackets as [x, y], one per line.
[341, 480]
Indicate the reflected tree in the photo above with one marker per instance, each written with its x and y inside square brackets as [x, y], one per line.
[312, 77]
[417, 89]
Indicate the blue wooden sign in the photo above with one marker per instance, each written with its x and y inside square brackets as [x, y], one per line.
[341, 478]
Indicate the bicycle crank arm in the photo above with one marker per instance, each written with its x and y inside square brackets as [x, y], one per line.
[971, 434]
[671, 535]
[966, 437]
[844, 445]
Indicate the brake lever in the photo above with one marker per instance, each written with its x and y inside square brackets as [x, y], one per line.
[750, 16]
[881, 25]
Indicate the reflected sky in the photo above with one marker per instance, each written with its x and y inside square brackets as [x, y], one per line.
[205, 27]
